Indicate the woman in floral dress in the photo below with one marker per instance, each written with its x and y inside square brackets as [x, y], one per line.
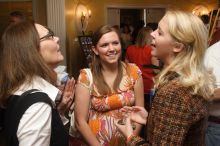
[102, 91]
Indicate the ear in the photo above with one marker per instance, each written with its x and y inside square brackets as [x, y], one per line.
[178, 47]
[94, 50]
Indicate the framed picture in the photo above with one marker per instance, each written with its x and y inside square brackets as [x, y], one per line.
[85, 43]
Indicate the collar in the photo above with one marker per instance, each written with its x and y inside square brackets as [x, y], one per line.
[42, 85]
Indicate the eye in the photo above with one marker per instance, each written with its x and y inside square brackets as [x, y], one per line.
[104, 45]
[159, 32]
[115, 42]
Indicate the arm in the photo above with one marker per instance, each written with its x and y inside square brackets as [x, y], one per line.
[82, 103]
[175, 110]
[35, 126]
[139, 99]
[127, 131]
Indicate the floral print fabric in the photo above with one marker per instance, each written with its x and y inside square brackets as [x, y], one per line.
[104, 109]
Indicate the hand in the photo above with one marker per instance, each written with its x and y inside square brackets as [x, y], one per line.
[137, 114]
[125, 129]
[68, 96]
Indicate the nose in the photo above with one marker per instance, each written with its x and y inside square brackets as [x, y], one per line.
[111, 47]
[153, 34]
[56, 39]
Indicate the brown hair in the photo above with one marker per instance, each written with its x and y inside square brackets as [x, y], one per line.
[20, 60]
[96, 66]
[144, 37]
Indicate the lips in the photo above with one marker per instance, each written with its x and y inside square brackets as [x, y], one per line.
[153, 45]
[112, 53]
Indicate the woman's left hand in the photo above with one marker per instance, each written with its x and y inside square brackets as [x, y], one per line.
[68, 96]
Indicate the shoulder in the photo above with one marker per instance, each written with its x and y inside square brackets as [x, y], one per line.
[174, 88]
[133, 70]
[131, 49]
[214, 49]
[84, 77]
[176, 93]
[212, 56]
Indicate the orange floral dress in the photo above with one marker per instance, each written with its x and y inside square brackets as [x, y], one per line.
[104, 109]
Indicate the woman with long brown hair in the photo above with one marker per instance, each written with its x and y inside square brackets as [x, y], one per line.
[28, 90]
[102, 91]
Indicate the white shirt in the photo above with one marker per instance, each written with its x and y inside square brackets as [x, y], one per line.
[212, 61]
[34, 128]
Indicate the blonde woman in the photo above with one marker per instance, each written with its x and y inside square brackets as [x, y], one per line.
[103, 91]
[184, 87]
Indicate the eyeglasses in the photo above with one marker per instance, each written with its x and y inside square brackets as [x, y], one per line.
[50, 34]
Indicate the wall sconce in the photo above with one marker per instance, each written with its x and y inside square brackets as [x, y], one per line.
[200, 10]
[82, 17]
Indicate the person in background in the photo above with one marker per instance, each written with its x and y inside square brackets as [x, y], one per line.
[140, 24]
[126, 39]
[152, 25]
[212, 61]
[140, 54]
[102, 91]
[216, 35]
[205, 19]
[29, 90]
[17, 16]
[183, 88]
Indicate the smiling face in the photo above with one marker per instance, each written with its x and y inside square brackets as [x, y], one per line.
[49, 47]
[162, 43]
[108, 48]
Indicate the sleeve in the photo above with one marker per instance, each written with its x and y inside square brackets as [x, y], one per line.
[212, 61]
[137, 141]
[83, 79]
[174, 116]
[135, 72]
[35, 126]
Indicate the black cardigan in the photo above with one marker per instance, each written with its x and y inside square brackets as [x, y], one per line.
[17, 106]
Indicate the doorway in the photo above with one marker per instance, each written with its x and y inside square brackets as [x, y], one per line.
[118, 16]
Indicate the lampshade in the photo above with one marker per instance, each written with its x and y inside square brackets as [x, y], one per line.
[200, 10]
[82, 16]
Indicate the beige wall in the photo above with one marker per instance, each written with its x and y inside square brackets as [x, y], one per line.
[75, 60]
[7, 7]
[35, 9]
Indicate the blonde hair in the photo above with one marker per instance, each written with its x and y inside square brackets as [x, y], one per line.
[190, 31]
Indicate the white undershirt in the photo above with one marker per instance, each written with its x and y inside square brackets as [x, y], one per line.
[212, 61]
[34, 128]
